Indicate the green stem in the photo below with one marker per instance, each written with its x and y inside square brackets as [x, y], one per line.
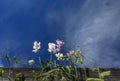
[76, 74]
[40, 60]
[69, 61]
[51, 61]
[69, 75]
[84, 67]
[99, 73]
[85, 73]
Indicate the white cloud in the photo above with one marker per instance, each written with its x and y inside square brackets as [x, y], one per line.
[96, 29]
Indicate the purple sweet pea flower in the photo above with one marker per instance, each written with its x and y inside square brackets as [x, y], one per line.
[59, 43]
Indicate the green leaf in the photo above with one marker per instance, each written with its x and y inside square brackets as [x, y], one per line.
[19, 77]
[94, 79]
[47, 63]
[9, 78]
[94, 69]
[15, 60]
[63, 79]
[8, 59]
[80, 57]
[55, 64]
[1, 71]
[68, 69]
[103, 74]
[37, 76]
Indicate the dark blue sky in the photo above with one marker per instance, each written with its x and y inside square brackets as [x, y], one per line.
[91, 24]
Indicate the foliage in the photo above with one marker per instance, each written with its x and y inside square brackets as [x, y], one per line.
[1, 71]
[101, 75]
[19, 77]
[8, 59]
[94, 79]
[15, 60]
[50, 70]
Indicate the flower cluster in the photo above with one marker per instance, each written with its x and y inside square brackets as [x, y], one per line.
[53, 48]
[53, 71]
[36, 48]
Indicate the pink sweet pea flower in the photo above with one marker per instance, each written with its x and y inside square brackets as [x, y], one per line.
[71, 52]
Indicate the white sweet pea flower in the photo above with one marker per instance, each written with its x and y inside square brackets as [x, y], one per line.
[36, 46]
[35, 51]
[59, 56]
[31, 62]
[51, 47]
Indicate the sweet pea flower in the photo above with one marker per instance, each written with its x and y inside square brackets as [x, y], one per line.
[36, 46]
[51, 47]
[31, 62]
[57, 49]
[59, 43]
[59, 56]
[71, 52]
